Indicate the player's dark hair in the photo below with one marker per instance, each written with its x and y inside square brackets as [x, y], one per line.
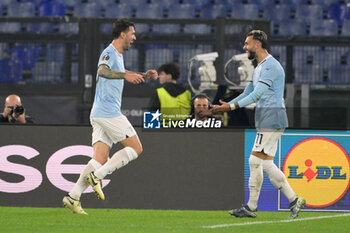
[259, 36]
[121, 25]
[170, 68]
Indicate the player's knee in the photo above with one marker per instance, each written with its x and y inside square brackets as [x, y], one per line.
[255, 161]
[138, 148]
[100, 157]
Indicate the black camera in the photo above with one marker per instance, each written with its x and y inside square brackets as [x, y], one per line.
[17, 109]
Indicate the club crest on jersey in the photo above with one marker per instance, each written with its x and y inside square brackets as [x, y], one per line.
[318, 169]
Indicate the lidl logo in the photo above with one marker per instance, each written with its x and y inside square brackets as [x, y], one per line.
[151, 120]
[318, 169]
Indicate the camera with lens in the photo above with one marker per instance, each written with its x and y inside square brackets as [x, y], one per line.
[17, 110]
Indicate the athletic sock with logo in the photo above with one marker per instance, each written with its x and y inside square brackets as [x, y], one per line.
[255, 181]
[118, 160]
[278, 179]
[81, 185]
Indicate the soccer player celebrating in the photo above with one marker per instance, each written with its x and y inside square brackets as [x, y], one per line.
[108, 124]
[266, 90]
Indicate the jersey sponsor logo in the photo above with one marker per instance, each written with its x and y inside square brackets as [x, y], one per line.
[318, 170]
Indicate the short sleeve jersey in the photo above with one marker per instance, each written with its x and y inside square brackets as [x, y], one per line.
[108, 96]
[270, 109]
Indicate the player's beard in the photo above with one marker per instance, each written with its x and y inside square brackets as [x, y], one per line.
[251, 55]
[127, 45]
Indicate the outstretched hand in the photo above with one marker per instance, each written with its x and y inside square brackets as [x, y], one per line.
[151, 74]
[134, 78]
[224, 107]
[205, 113]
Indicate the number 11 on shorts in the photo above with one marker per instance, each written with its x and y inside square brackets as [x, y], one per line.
[259, 137]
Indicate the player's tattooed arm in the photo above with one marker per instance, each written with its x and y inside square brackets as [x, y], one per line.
[106, 72]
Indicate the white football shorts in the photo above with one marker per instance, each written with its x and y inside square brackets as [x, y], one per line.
[111, 130]
[266, 141]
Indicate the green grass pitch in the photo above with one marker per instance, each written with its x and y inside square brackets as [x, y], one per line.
[16, 219]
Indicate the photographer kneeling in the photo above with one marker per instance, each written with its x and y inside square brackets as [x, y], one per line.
[14, 111]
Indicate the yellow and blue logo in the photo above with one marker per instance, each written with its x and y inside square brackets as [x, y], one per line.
[318, 169]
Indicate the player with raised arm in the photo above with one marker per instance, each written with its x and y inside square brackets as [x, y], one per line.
[266, 89]
[108, 123]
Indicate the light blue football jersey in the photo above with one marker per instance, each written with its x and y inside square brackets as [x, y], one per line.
[270, 110]
[108, 96]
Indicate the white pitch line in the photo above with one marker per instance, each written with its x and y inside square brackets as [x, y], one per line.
[280, 221]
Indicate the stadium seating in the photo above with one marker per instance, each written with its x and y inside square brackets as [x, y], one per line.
[279, 52]
[142, 28]
[245, 11]
[281, 12]
[336, 11]
[251, 11]
[69, 28]
[4, 50]
[237, 12]
[104, 4]
[89, 10]
[118, 10]
[21, 9]
[131, 59]
[165, 4]
[74, 72]
[233, 29]
[338, 74]
[200, 4]
[308, 65]
[197, 29]
[10, 27]
[6, 2]
[308, 13]
[290, 27]
[311, 74]
[324, 28]
[299, 2]
[11, 71]
[213, 11]
[55, 53]
[47, 9]
[346, 28]
[40, 27]
[52, 8]
[157, 56]
[262, 4]
[47, 72]
[182, 11]
[347, 11]
[71, 3]
[166, 28]
[288, 18]
[325, 3]
[28, 55]
[150, 11]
